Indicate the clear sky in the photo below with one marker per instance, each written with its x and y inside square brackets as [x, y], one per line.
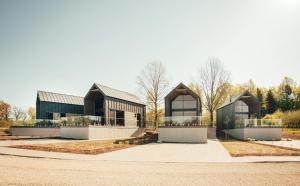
[65, 46]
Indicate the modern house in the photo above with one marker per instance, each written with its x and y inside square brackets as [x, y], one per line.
[182, 122]
[115, 107]
[233, 113]
[53, 106]
[240, 117]
[103, 113]
[182, 101]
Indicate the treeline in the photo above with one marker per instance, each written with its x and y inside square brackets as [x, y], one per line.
[9, 113]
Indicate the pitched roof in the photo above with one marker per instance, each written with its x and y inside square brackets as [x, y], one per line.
[181, 88]
[60, 98]
[235, 98]
[110, 92]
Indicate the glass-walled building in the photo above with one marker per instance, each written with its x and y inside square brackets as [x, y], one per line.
[182, 104]
[237, 110]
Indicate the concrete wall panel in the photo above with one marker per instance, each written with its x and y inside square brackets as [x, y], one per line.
[182, 134]
[38, 132]
[75, 132]
[256, 133]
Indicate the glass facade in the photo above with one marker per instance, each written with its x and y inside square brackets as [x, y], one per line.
[241, 106]
[241, 112]
[184, 105]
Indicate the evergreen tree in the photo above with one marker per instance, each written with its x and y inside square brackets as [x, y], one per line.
[270, 103]
[260, 98]
[297, 98]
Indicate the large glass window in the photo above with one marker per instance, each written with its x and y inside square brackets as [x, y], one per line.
[239, 119]
[184, 102]
[241, 106]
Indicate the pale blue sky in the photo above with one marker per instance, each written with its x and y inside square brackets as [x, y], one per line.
[65, 46]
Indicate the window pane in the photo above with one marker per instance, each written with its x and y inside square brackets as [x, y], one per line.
[189, 104]
[188, 98]
[177, 104]
[179, 98]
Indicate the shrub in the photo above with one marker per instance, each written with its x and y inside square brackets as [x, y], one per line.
[5, 124]
[290, 119]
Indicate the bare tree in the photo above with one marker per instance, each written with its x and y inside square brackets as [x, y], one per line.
[154, 84]
[18, 113]
[198, 90]
[214, 80]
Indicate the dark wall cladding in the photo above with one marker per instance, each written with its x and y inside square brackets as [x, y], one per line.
[234, 113]
[42, 108]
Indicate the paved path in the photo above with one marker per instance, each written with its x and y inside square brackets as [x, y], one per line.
[291, 144]
[213, 151]
[42, 171]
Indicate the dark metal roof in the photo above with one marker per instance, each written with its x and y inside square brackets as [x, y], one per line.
[110, 92]
[181, 89]
[60, 98]
[237, 97]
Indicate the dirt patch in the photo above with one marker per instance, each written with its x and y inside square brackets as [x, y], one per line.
[243, 148]
[79, 147]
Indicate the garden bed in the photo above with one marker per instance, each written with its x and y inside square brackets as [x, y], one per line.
[78, 147]
[243, 148]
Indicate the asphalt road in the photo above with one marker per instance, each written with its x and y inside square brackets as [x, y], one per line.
[41, 171]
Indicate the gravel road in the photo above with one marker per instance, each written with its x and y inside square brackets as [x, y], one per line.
[41, 171]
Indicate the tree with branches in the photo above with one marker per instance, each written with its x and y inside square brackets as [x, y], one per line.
[154, 84]
[214, 80]
[5, 110]
[198, 90]
[18, 113]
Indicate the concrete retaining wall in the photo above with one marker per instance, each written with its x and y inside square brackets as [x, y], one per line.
[114, 132]
[211, 133]
[99, 132]
[256, 133]
[183, 134]
[75, 132]
[38, 132]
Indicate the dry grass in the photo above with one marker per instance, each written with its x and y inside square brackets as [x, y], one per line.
[78, 147]
[291, 133]
[242, 148]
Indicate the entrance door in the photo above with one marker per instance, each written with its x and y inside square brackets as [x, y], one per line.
[139, 120]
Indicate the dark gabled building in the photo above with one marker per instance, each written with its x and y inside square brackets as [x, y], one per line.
[52, 106]
[182, 101]
[115, 107]
[233, 113]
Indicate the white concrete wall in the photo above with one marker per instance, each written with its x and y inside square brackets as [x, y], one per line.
[256, 133]
[100, 132]
[114, 132]
[75, 132]
[38, 132]
[211, 133]
[183, 134]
